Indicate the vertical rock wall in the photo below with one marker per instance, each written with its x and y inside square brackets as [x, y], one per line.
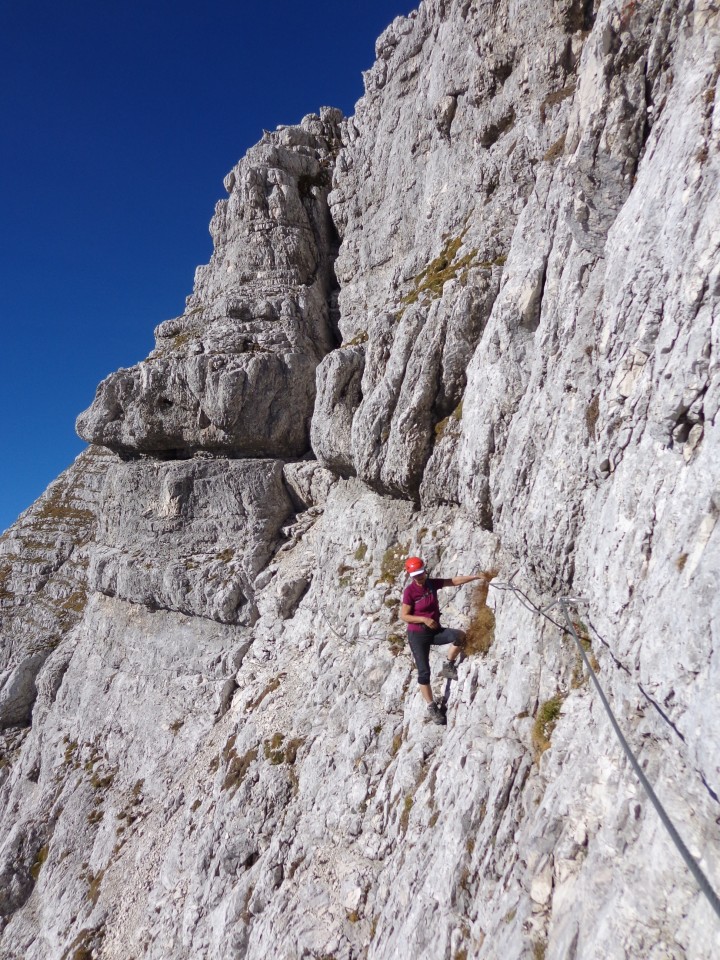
[515, 240]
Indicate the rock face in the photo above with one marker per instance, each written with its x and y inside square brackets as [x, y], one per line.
[236, 373]
[190, 535]
[44, 559]
[213, 746]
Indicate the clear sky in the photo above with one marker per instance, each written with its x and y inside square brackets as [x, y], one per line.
[120, 119]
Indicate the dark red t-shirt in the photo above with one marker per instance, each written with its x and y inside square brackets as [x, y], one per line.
[423, 602]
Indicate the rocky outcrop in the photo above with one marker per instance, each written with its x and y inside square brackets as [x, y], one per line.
[43, 579]
[460, 110]
[189, 535]
[235, 373]
[226, 755]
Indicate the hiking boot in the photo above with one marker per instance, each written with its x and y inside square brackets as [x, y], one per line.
[449, 671]
[435, 714]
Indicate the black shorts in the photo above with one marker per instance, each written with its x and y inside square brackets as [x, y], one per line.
[420, 643]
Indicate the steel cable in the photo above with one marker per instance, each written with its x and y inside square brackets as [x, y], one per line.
[692, 865]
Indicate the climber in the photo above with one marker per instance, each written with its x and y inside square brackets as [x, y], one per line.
[421, 612]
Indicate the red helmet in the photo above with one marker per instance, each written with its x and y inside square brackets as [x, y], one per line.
[414, 566]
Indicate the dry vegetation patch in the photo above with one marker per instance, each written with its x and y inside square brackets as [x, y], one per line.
[429, 283]
[545, 721]
[480, 633]
[393, 563]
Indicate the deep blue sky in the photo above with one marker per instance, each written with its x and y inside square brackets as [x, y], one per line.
[120, 119]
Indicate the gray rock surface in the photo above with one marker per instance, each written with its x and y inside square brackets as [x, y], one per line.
[43, 579]
[222, 753]
[189, 535]
[235, 373]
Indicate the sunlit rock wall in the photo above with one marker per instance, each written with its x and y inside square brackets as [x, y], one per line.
[477, 321]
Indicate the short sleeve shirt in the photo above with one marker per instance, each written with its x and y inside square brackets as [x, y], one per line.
[423, 602]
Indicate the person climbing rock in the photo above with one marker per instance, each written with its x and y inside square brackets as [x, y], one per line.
[421, 612]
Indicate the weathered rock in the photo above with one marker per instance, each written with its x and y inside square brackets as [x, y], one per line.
[236, 373]
[43, 579]
[527, 201]
[338, 397]
[426, 202]
[189, 535]
[308, 483]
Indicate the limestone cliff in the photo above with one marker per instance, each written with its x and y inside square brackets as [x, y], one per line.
[477, 321]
